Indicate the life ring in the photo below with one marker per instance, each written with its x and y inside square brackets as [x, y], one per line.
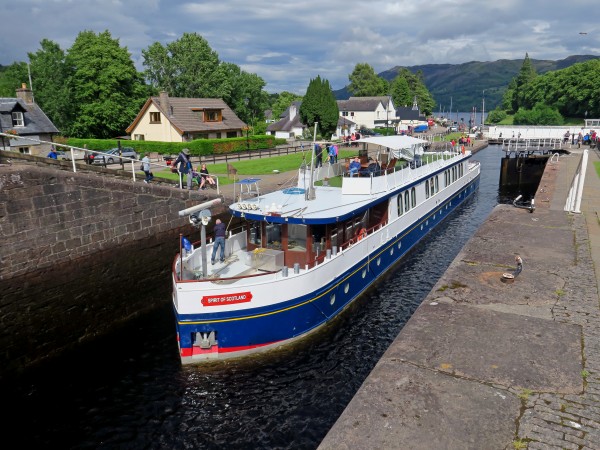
[361, 234]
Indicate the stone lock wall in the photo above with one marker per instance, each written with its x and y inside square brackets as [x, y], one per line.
[80, 254]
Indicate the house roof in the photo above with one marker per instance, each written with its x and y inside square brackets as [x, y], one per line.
[35, 119]
[408, 113]
[183, 113]
[288, 123]
[362, 103]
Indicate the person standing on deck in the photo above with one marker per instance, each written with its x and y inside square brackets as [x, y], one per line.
[219, 231]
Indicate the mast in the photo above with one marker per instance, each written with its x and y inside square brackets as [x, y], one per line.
[310, 192]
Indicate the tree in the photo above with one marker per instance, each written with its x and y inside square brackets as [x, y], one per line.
[187, 67]
[496, 116]
[11, 78]
[364, 82]
[406, 86]
[319, 105]
[49, 74]
[517, 90]
[106, 90]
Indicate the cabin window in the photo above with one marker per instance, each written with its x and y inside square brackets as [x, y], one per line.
[296, 237]
[432, 186]
[273, 232]
[437, 184]
[154, 117]
[255, 234]
[462, 167]
[17, 119]
[400, 212]
[413, 197]
[426, 189]
[406, 201]
[446, 178]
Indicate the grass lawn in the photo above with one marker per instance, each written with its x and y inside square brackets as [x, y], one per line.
[257, 166]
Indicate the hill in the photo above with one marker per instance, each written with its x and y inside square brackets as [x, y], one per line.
[466, 82]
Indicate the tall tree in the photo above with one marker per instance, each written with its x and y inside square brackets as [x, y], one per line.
[406, 86]
[319, 105]
[11, 78]
[246, 95]
[106, 90]
[364, 82]
[187, 67]
[49, 75]
[517, 91]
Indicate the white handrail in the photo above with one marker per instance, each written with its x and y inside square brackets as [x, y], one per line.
[573, 203]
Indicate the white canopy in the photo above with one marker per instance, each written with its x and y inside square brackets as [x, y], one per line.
[405, 146]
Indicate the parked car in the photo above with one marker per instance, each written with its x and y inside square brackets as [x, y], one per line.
[112, 156]
[60, 154]
[368, 132]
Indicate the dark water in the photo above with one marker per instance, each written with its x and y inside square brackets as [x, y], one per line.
[130, 391]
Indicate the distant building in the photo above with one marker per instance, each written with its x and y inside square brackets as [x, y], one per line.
[175, 119]
[23, 118]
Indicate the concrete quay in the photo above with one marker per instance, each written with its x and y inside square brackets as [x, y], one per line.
[485, 364]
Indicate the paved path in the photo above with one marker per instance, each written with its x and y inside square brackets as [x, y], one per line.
[484, 364]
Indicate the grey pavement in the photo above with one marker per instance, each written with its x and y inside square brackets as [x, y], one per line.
[486, 364]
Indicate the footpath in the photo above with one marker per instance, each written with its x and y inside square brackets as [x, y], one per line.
[486, 364]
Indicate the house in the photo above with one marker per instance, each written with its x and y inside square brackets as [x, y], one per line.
[175, 119]
[410, 117]
[369, 112]
[289, 125]
[22, 117]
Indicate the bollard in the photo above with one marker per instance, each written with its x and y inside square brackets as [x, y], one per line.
[284, 271]
[334, 250]
[328, 254]
[296, 268]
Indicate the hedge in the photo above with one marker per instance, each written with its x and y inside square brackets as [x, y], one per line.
[198, 147]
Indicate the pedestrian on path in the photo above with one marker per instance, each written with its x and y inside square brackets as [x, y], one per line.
[146, 169]
[184, 167]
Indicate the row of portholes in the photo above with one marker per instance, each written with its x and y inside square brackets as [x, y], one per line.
[363, 274]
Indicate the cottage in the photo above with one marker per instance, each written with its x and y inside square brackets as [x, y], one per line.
[175, 119]
[23, 118]
[369, 112]
[289, 125]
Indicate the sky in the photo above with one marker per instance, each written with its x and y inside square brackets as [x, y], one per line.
[288, 43]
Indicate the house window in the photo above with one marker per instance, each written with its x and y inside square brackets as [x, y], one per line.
[154, 117]
[231, 134]
[17, 119]
[212, 115]
[138, 137]
[344, 113]
[24, 150]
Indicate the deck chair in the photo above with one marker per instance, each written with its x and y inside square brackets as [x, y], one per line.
[231, 171]
[389, 167]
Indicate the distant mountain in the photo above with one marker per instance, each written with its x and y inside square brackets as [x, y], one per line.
[465, 83]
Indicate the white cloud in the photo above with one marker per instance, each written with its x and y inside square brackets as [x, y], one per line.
[288, 42]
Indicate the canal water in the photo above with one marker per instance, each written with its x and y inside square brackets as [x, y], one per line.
[129, 389]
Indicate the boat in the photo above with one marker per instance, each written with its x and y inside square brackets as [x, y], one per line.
[304, 253]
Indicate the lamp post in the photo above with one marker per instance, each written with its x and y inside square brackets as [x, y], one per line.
[387, 114]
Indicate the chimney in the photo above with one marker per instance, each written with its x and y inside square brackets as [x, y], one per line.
[25, 94]
[164, 101]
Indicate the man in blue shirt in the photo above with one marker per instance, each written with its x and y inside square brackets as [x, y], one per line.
[52, 153]
[354, 166]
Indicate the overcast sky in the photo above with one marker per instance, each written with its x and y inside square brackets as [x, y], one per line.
[289, 42]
